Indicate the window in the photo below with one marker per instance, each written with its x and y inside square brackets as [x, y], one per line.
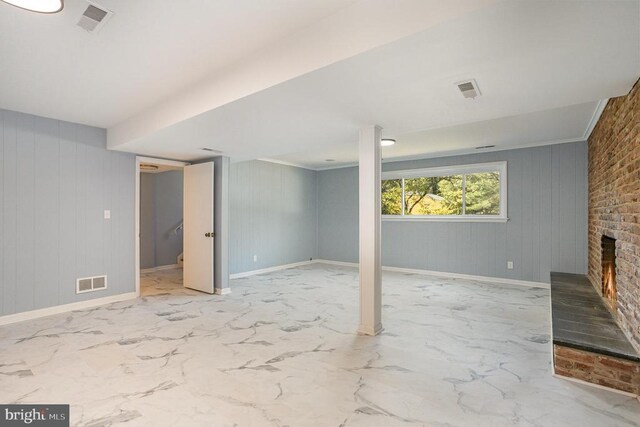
[455, 193]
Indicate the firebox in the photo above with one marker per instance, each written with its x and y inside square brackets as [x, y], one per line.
[609, 270]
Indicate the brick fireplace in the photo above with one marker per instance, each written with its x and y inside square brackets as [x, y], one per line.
[614, 210]
[596, 319]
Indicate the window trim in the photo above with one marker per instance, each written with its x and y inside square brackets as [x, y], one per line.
[501, 167]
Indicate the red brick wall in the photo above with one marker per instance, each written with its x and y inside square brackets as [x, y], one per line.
[598, 369]
[614, 203]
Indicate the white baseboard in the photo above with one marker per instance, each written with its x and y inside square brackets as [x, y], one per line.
[269, 269]
[222, 291]
[159, 268]
[444, 274]
[49, 311]
[398, 270]
[340, 263]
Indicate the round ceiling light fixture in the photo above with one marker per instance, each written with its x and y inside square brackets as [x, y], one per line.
[40, 6]
[387, 142]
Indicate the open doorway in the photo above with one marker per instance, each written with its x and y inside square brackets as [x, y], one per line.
[159, 203]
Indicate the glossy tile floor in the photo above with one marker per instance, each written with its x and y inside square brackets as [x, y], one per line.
[280, 350]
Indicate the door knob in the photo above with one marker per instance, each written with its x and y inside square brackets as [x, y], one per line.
[209, 234]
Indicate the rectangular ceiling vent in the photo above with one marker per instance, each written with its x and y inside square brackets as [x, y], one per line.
[469, 88]
[94, 18]
[211, 150]
[90, 284]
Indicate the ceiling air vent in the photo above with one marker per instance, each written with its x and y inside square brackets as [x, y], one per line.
[469, 88]
[94, 17]
[211, 150]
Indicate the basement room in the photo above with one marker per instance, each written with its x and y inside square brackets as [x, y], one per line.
[320, 213]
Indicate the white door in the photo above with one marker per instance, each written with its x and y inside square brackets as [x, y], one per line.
[198, 227]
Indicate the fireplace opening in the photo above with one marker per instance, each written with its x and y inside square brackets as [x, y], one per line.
[609, 270]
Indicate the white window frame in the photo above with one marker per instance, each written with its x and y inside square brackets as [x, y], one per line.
[500, 167]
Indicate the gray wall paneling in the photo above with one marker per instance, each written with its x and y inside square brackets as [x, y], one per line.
[546, 231]
[147, 221]
[273, 215]
[221, 221]
[168, 190]
[338, 215]
[161, 204]
[57, 179]
[569, 250]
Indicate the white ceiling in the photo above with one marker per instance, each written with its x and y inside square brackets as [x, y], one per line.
[294, 80]
[565, 124]
[541, 66]
[363, 26]
[147, 51]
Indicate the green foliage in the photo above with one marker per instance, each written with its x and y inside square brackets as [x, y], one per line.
[442, 195]
[392, 197]
[483, 194]
[433, 195]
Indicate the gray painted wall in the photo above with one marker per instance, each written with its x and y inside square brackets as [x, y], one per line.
[147, 221]
[161, 202]
[546, 231]
[273, 215]
[169, 202]
[57, 178]
[221, 174]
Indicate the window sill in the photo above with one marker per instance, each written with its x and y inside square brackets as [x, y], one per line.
[443, 218]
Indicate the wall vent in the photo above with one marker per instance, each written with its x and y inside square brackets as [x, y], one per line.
[94, 18]
[90, 284]
[469, 88]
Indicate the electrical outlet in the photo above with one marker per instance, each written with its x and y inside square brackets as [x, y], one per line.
[255, 258]
[509, 265]
[107, 214]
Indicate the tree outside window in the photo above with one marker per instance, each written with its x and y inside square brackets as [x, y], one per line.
[474, 193]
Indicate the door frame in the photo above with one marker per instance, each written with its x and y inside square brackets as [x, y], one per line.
[139, 161]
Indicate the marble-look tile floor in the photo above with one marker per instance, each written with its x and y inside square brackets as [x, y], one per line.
[281, 351]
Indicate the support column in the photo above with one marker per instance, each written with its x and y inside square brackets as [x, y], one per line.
[221, 225]
[370, 224]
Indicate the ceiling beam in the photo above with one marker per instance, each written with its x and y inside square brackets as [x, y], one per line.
[353, 30]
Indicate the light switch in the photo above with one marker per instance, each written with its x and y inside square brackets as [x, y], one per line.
[107, 214]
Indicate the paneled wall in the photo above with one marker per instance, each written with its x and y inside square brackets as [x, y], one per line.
[546, 231]
[56, 180]
[273, 215]
[147, 221]
[169, 201]
[161, 199]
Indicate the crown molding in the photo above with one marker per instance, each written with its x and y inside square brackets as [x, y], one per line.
[596, 117]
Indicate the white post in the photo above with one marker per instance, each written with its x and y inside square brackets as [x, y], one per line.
[370, 206]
